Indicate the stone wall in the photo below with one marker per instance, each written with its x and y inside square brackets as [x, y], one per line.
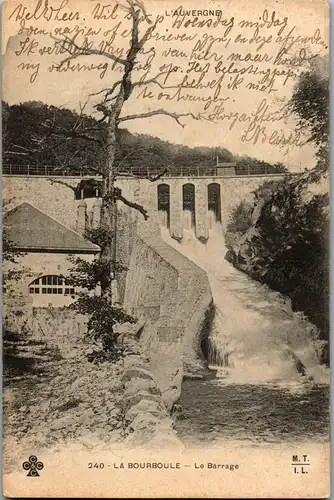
[59, 202]
[58, 327]
[170, 296]
[146, 417]
[55, 200]
[233, 190]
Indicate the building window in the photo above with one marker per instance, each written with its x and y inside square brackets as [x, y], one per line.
[51, 285]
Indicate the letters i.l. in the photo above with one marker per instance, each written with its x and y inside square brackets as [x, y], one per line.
[299, 464]
[300, 471]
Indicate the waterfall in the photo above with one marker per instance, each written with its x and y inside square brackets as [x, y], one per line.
[187, 220]
[212, 220]
[255, 337]
[163, 218]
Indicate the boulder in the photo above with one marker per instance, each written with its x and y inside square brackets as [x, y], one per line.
[152, 431]
[129, 401]
[166, 440]
[300, 367]
[79, 383]
[133, 361]
[130, 344]
[148, 423]
[140, 384]
[136, 372]
[128, 330]
[145, 406]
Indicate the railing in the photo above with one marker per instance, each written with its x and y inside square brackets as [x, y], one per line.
[40, 170]
[174, 171]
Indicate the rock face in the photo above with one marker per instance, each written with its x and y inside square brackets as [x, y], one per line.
[286, 246]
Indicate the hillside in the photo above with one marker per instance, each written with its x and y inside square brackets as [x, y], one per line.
[26, 141]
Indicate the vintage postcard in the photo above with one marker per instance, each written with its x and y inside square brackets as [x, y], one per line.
[165, 210]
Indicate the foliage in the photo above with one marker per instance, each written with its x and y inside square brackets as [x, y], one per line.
[99, 236]
[26, 141]
[90, 277]
[136, 152]
[294, 242]
[310, 103]
[10, 254]
[103, 317]
[287, 246]
[241, 218]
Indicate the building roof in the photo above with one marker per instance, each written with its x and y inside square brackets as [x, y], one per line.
[28, 228]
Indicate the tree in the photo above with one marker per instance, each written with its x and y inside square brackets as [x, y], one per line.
[104, 313]
[135, 153]
[25, 141]
[110, 106]
[310, 104]
[241, 218]
[12, 269]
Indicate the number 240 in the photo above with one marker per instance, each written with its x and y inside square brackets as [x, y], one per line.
[96, 465]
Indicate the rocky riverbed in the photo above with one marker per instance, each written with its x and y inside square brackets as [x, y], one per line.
[61, 401]
[64, 399]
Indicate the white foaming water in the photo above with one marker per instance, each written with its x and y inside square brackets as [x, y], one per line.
[255, 337]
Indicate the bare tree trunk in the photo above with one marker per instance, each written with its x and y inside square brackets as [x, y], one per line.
[111, 106]
[109, 208]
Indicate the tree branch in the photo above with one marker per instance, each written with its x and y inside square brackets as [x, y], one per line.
[31, 151]
[116, 194]
[131, 204]
[149, 30]
[140, 5]
[63, 183]
[109, 91]
[176, 116]
[72, 134]
[151, 178]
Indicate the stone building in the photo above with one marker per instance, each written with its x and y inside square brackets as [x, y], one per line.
[45, 245]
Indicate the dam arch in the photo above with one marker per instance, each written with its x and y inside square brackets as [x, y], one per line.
[214, 202]
[189, 205]
[164, 204]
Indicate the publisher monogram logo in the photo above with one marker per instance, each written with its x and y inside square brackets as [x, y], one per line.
[33, 465]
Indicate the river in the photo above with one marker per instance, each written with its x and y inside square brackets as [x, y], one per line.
[265, 382]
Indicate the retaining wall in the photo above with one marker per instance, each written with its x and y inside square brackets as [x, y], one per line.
[170, 295]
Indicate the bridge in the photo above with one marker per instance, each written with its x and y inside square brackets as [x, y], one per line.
[174, 200]
[218, 170]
